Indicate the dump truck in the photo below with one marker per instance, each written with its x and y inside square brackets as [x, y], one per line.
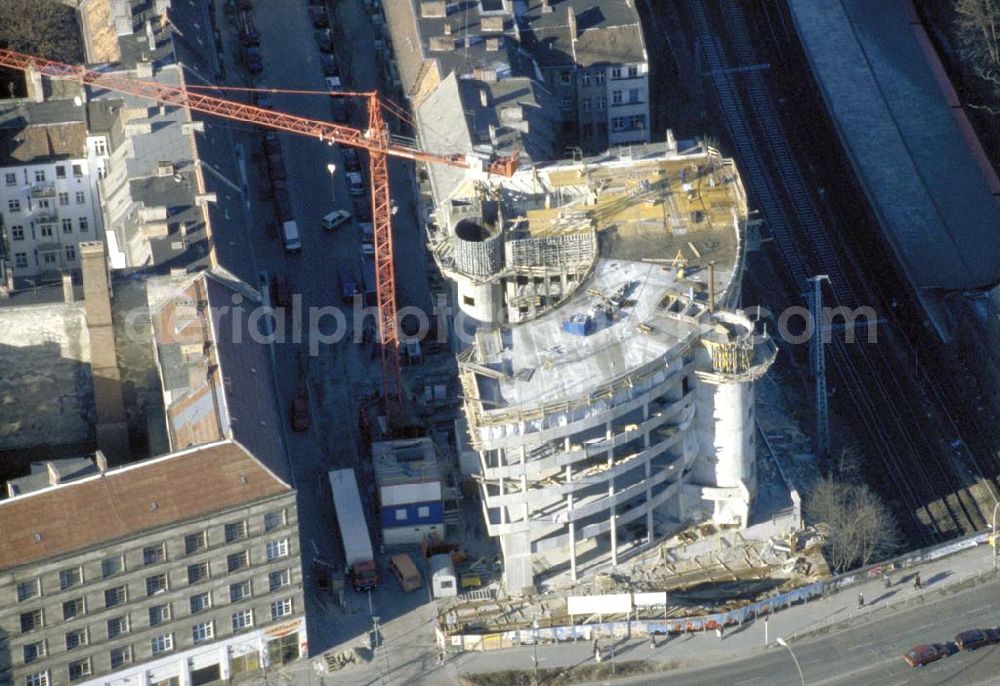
[353, 527]
[406, 572]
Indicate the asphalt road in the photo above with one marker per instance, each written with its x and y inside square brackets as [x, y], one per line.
[871, 654]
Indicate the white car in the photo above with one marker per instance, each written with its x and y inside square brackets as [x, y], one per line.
[355, 184]
[335, 219]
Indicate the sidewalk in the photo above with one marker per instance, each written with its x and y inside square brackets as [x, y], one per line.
[795, 622]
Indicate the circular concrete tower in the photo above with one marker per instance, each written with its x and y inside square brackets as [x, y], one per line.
[478, 261]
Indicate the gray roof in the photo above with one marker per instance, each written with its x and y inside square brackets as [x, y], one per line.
[40, 131]
[607, 32]
[68, 469]
[933, 201]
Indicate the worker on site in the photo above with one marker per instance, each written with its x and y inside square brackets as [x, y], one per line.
[861, 599]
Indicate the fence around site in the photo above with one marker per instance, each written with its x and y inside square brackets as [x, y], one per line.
[639, 628]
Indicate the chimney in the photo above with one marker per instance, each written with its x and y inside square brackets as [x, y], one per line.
[54, 478]
[112, 424]
[484, 98]
[447, 28]
[36, 89]
[101, 461]
[150, 34]
[546, 8]
[711, 285]
[67, 286]
[572, 23]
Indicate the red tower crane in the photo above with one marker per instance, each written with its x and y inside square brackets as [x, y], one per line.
[375, 139]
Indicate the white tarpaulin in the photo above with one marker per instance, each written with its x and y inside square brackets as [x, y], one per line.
[617, 603]
[649, 599]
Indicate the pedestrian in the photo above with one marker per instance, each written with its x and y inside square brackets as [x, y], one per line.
[652, 641]
[597, 655]
[917, 584]
[440, 657]
[861, 599]
[886, 579]
[718, 632]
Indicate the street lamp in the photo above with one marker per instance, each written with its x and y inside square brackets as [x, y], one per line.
[534, 647]
[784, 644]
[332, 168]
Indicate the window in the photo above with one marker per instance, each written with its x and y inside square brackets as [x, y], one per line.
[111, 566]
[156, 584]
[121, 656]
[72, 608]
[401, 514]
[616, 72]
[64, 199]
[37, 679]
[49, 258]
[585, 78]
[586, 104]
[195, 542]
[618, 123]
[77, 170]
[633, 72]
[114, 596]
[67, 225]
[199, 602]
[71, 253]
[276, 580]
[60, 172]
[100, 148]
[242, 620]
[564, 77]
[39, 176]
[46, 231]
[276, 549]
[21, 260]
[31, 621]
[468, 300]
[565, 103]
[236, 531]
[162, 643]
[14, 205]
[81, 197]
[616, 97]
[272, 520]
[197, 572]
[17, 232]
[82, 222]
[152, 554]
[76, 638]
[159, 614]
[423, 511]
[26, 590]
[599, 78]
[237, 561]
[79, 669]
[117, 626]
[33, 651]
[588, 132]
[202, 632]
[633, 95]
[44, 204]
[601, 102]
[637, 122]
[239, 591]
[281, 608]
[10, 179]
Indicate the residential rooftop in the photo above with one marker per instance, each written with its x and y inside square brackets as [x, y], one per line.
[38, 132]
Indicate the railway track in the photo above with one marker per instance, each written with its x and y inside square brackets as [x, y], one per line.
[911, 453]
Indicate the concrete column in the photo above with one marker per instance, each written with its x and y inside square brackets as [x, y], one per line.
[609, 432]
[503, 508]
[649, 473]
[569, 509]
[524, 482]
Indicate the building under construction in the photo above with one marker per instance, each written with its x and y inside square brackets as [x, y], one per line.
[608, 378]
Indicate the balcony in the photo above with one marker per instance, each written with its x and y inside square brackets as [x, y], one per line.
[44, 215]
[43, 190]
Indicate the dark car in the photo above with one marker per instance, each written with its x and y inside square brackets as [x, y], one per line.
[252, 60]
[262, 99]
[318, 17]
[272, 146]
[924, 654]
[339, 110]
[352, 160]
[362, 210]
[300, 413]
[972, 639]
[245, 4]
[329, 64]
[323, 41]
[276, 166]
[282, 204]
[281, 290]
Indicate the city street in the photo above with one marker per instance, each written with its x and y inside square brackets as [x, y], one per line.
[292, 62]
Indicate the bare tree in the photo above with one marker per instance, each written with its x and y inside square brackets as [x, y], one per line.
[861, 529]
[46, 28]
[978, 28]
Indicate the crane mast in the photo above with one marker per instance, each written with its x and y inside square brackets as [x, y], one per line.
[375, 139]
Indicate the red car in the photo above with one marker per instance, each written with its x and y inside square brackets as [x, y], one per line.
[924, 654]
[300, 413]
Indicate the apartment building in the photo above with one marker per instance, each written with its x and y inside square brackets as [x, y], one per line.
[49, 201]
[182, 569]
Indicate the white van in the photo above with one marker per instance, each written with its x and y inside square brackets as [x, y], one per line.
[290, 232]
[334, 219]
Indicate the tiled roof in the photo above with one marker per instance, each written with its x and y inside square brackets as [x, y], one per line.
[130, 500]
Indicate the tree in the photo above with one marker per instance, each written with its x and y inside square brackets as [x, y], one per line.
[40, 27]
[978, 27]
[861, 529]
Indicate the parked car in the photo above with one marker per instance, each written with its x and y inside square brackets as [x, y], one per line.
[245, 4]
[362, 210]
[318, 17]
[252, 60]
[335, 219]
[282, 204]
[329, 64]
[249, 35]
[281, 290]
[300, 413]
[340, 111]
[276, 165]
[925, 653]
[272, 146]
[323, 41]
[316, 2]
[352, 160]
[262, 99]
[972, 639]
[334, 84]
[355, 183]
